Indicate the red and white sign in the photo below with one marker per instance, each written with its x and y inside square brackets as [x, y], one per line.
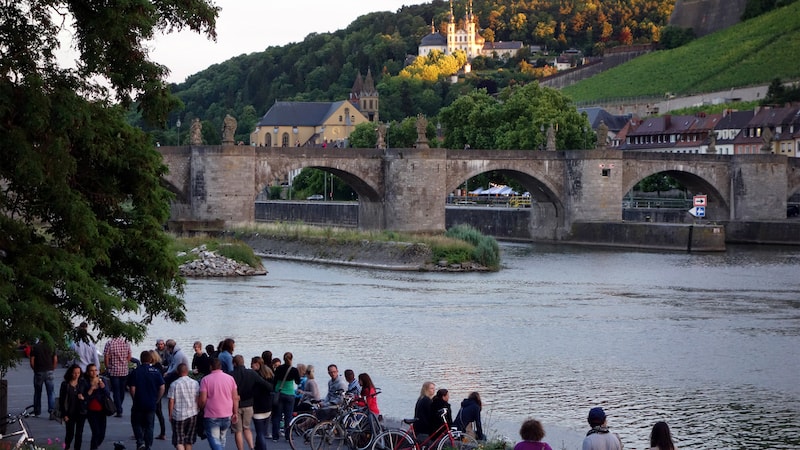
[700, 200]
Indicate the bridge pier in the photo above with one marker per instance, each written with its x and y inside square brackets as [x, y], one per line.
[415, 189]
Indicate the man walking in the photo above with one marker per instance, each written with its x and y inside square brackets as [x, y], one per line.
[219, 397]
[116, 355]
[183, 395]
[43, 362]
[147, 388]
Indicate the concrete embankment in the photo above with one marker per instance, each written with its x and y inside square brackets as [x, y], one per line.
[655, 236]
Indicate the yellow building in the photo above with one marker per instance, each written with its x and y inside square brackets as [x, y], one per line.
[317, 124]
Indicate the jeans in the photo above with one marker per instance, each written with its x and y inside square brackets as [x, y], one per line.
[47, 379]
[97, 422]
[118, 391]
[217, 431]
[160, 417]
[261, 426]
[284, 410]
[142, 424]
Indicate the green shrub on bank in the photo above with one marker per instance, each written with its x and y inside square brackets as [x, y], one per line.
[486, 251]
[227, 247]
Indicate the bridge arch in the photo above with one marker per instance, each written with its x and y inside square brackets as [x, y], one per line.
[700, 174]
[548, 216]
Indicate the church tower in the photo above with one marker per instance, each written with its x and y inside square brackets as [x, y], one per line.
[365, 97]
[451, 32]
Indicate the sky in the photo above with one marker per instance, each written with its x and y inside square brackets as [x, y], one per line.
[247, 26]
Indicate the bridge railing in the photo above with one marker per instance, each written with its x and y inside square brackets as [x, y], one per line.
[649, 202]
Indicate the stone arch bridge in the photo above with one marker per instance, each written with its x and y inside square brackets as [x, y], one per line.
[405, 189]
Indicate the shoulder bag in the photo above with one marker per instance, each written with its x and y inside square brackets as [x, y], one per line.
[276, 396]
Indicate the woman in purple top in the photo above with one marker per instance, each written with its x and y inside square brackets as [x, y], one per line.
[531, 433]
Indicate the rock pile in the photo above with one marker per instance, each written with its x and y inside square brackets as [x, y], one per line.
[210, 264]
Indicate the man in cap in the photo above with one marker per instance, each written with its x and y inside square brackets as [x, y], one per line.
[599, 438]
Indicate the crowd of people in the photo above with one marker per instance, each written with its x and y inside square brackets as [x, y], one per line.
[214, 393]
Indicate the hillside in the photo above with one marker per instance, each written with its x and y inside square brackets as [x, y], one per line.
[750, 53]
[324, 66]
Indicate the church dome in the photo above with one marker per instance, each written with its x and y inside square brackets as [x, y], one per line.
[434, 40]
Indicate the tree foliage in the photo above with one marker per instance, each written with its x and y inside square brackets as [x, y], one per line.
[519, 119]
[82, 207]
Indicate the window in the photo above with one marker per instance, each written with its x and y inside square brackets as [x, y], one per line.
[606, 172]
[285, 140]
[340, 118]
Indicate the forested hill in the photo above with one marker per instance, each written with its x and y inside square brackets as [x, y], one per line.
[324, 65]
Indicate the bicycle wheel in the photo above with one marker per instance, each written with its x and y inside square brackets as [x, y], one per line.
[300, 431]
[328, 435]
[458, 441]
[359, 429]
[394, 440]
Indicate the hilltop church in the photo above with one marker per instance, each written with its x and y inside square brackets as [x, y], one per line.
[316, 124]
[466, 39]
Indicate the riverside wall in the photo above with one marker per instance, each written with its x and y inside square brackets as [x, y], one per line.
[666, 229]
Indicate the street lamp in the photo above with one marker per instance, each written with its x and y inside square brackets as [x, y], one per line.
[178, 124]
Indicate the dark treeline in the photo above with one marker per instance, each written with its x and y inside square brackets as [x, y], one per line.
[323, 66]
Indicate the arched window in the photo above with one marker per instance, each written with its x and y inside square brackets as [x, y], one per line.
[285, 140]
[268, 140]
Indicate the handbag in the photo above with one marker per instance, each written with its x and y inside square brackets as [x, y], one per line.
[57, 411]
[108, 406]
[276, 396]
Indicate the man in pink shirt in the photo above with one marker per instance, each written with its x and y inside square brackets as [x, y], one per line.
[220, 398]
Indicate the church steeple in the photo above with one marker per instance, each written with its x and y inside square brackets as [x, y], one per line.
[365, 97]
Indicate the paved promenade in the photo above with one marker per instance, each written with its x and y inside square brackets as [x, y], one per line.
[20, 395]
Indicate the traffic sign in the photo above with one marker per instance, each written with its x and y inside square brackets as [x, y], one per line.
[698, 211]
[700, 200]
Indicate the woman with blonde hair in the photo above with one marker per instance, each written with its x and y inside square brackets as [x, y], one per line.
[262, 402]
[423, 411]
[156, 361]
[311, 391]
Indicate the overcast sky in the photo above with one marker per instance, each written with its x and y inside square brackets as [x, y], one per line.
[247, 26]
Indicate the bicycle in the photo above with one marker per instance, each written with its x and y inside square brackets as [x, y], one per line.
[442, 438]
[25, 441]
[354, 425]
[301, 426]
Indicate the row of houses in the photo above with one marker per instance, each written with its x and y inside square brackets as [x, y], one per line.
[766, 129]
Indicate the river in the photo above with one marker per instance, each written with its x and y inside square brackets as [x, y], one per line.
[707, 342]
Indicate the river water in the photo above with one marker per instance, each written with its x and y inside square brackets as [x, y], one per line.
[709, 343]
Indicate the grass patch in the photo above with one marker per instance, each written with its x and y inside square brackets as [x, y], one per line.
[458, 245]
[227, 247]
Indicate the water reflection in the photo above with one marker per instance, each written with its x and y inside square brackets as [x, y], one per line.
[707, 342]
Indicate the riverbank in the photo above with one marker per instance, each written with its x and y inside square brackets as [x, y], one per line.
[392, 255]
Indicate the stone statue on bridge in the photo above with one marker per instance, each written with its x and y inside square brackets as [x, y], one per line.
[196, 132]
[551, 139]
[422, 130]
[381, 132]
[228, 130]
[712, 143]
[766, 138]
[602, 136]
